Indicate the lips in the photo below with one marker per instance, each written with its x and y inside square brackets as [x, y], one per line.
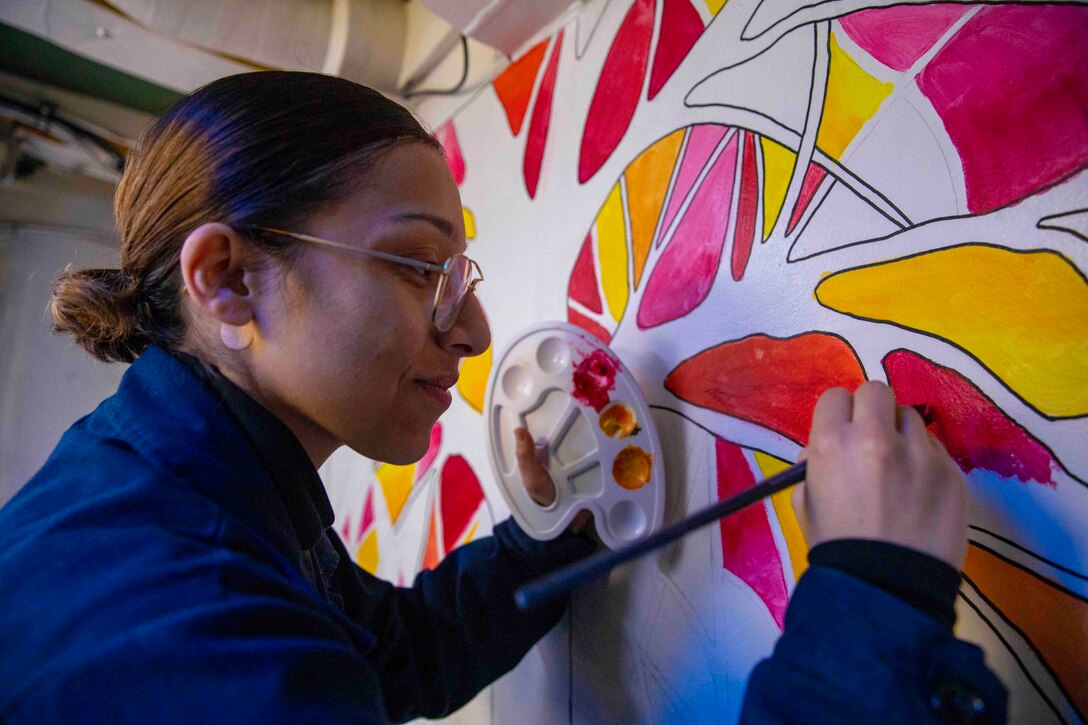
[439, 388]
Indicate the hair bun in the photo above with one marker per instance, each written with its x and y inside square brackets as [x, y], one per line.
[100, 309]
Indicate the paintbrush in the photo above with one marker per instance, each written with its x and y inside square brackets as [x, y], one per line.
[582, 572]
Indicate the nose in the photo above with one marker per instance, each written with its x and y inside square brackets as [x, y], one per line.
[470, 334]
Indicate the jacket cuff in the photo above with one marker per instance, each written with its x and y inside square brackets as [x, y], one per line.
[540, 557]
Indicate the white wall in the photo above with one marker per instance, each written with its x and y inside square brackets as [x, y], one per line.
[46, 381]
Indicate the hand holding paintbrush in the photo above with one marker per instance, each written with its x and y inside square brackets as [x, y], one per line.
[873, 472]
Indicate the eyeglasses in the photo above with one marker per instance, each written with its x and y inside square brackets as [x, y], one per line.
[457, 277]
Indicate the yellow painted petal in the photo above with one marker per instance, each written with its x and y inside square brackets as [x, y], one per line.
[396, 483]
[715, 5]
[470, 222]
[647, 181]
[473, 381]
[852, 98]
[367, 555]
[1024, 315]
[612, 251]
[472, 531]
[787, 519]
[778, 163]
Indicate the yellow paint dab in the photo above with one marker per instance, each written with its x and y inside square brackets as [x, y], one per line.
[787, 517]
[715, 5]
[647, 182]
[472, 383]
[632, 468]
[472, 531]
[852, 98]
[470, 222]
[367, 555]
[618, 421]
[778, 163]
[612, 251]
[1024, 315]
[396, 483]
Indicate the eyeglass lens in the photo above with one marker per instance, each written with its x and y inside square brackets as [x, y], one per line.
[453, 287]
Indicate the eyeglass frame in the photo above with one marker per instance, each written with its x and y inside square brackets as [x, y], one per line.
[443, 270]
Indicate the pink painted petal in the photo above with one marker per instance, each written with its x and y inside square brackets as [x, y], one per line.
[900, 35]
[447, 136]
[432, 451]
[748, 548]
[368, 515]
[618, 89]
[460, 497]
[1012, 90]
[538, 125]
[686, 271]
[681, 26]
[975, 431]
[702, 140]
[583, 280]
[747, 206]
[814, 176]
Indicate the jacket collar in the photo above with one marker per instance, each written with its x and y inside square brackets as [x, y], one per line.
[208, 432]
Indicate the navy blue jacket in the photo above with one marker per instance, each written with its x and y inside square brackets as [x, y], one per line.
[165, 566]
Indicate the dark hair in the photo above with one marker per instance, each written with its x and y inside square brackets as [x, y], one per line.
[258, 149]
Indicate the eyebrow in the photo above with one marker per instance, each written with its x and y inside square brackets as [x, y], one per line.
[441, 223]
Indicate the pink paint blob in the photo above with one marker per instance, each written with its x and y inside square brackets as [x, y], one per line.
[747, 207]
[681, 26]
[976, 433]
[583, 286]
[1012, 90]
[594, 377]
[618, 89]
[702, 140]
[446, 135]
[683, 276]
[538, 124]
[368, 515]
[900, 35]
[748, 548]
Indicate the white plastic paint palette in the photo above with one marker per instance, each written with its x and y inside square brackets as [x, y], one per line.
[593, 431]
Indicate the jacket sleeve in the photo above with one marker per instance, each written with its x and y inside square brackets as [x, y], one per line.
[457, 629]
[852, 652]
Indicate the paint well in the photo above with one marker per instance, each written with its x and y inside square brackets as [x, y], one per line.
[632, 468]
[594, 378]
[618, 421]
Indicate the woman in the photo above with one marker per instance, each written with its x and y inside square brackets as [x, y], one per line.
[293, 280]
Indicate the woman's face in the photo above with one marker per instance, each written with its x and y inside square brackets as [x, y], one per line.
[350, 356]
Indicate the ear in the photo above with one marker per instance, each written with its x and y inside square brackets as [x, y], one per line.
[216, 266]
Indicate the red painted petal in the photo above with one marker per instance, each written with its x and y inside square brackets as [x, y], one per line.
[701, 142]
[514, 86]
[898, 36]
[769, 381]
[583, 280]
[748, 548]
[538, 126]
[577, 318]
[685, 273]
[681, 26]
[814, 175]
[618, 89]
[975, 432]
[431, 554]
[745, 231]
[1013, 105]
[460, 497]
[447, 136]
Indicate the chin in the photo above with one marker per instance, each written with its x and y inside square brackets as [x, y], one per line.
[405, 450]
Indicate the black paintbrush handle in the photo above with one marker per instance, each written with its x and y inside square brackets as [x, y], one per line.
[563, 580]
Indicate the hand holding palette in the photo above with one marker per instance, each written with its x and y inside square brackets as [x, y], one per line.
[593, 433]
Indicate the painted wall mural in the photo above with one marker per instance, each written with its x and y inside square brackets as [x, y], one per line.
[752, 201]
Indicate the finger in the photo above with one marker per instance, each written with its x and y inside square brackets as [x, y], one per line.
[834, 408]
[803, 455]
[581, 519]
[538, 483]
[797, 498]
[874, 406]
[913, 428]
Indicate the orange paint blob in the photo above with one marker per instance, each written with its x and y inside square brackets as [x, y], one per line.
[618, 421]
[632, 468]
